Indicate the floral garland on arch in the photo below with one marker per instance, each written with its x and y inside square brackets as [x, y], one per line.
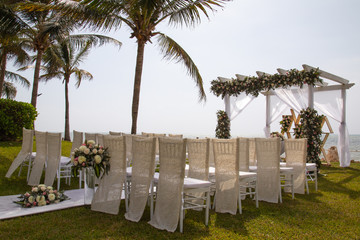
[254, 85]
[310, 128]
[92, 155]
[223, 127]
[41, 195]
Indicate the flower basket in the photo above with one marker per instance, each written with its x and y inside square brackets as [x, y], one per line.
[40, 196]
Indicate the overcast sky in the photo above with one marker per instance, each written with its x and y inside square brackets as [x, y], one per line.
[245, 37]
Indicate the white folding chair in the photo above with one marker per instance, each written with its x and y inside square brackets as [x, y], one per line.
[311, 175]
[53, 158]
[40, 159]
[247, 180]
[142, 173]
[226, 175]
[296, 152]
[107, 197]
[115, 133]
[23, 159]
[91, 136]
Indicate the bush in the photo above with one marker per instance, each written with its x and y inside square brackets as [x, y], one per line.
[223, 127]
[14, 116]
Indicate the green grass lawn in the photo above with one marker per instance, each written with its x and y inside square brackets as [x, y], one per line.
[331, 213]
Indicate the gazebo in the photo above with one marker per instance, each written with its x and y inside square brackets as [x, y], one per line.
[327, 97]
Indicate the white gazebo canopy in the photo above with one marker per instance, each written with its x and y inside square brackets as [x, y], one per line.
[328, 98]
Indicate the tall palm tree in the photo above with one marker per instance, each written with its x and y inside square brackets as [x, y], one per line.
[63, 59]
[142, 17]
[40, 23]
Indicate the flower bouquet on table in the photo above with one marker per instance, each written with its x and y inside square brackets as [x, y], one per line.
[91, 155]
[40, 196]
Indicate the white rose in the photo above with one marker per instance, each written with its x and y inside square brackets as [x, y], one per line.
[31, 199]
[51, 191]
[38, 198]
[101, 151]
[92, 142]
[97, 159]
[76, 163]
[72, 158]
[94, 151]
[82, 148]
[43, 188]
[51, 197]
[81, 159]
[49, 187]
[34, 189]
[42, 202]
[86, 151]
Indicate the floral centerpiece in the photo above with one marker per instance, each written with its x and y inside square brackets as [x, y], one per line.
[91, 155]
[223, 127]
[40, 196]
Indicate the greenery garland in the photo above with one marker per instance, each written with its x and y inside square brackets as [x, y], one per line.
[254, 85]
[223, 127]
[310, 128]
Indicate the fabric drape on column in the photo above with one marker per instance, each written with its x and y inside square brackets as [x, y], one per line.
[238, 104]
[277, 108]
[39, 162]
[108, 195]
[143, 167]
[332, 106]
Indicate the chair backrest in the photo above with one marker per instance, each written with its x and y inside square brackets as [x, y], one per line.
[198, 156]
[243, 154]
[53, 157]
[90, 136]
[268, 172]
[172, 154]
[252, 152]
[157, 135]
[25, 152]
[143, 167]
[115, 133]
[296, 152]
[176, 135]
[77, 140]
[128, 141]
[226, 157]
[108, 195]
[40, 158]
[100, 139]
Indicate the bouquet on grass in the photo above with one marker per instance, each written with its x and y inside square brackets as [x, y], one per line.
[277, 134]
[40, 196]
[91, 155]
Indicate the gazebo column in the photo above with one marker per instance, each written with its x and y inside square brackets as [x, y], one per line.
[343, 162]
[311, 96]
[268, 116]
[227, 104]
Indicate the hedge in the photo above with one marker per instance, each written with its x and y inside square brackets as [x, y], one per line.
[14, 116]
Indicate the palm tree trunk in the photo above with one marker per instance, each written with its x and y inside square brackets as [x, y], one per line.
[2, 72]
[137, 83]
[67, 121]
[36, 77]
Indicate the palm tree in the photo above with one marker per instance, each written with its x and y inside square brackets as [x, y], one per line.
[62, 60]
[11, 47]
[142, 17]
[40, 23]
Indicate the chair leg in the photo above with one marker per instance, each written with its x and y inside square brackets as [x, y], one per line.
[151, 200]
[292, 185]
[280, 197]
[240, 207]
[80, 177]
[126, 196]
[316, 180]
[182, 213]
[207, 208]
[256, 196]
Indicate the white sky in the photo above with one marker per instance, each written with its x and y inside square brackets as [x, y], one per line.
[245, 37]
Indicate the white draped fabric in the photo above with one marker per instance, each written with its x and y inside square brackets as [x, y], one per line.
[295, 98]
[238, 104]
[277, 108]
[332, 106]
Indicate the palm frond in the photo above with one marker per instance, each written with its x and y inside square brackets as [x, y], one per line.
[81, 74]
[94, 39]
[9, 90]
[173, 51]
[14, 77]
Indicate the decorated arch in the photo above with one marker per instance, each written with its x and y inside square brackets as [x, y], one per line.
[310, 89]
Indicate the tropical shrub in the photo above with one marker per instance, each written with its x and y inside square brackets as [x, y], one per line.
[14, 116]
